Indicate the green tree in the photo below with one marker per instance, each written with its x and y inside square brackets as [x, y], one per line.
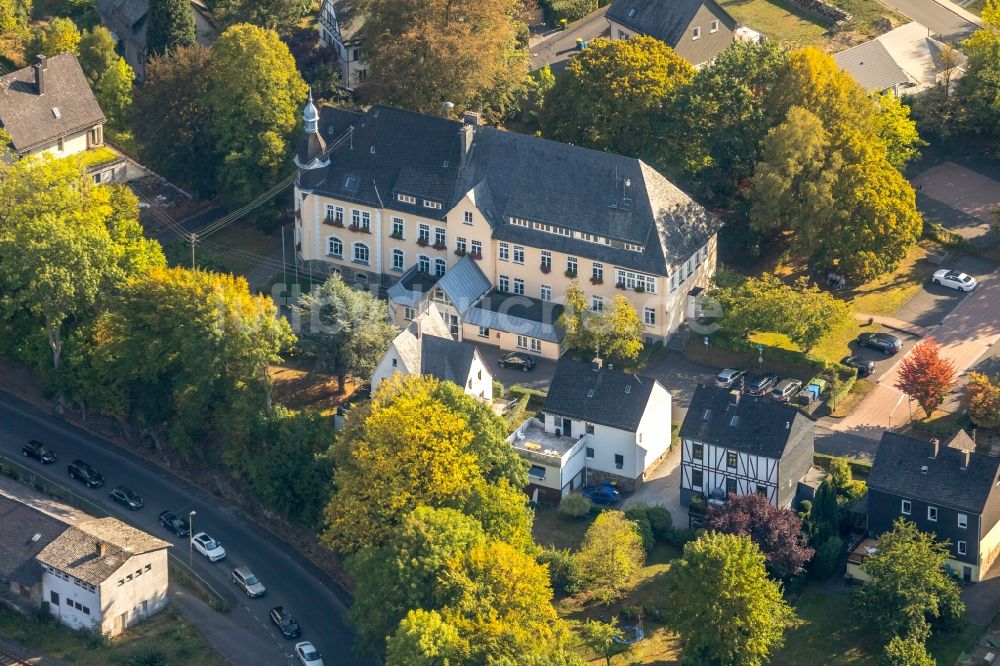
[906, 651]
[724, 607]
[254, 93]
[170, 25]
[172, 120]
[422, 53]
[601, 638]
[802, 312]
[114, 93]
[59, 35]
[909, 588]
[610, 557]
[279, 15]
[404, 573]
[344, 330]
[424, 638]
[580, 326]
[898, 131]
[979, 89]
[620, 330]
[610, 93]
[981, 396]
[97, 53]
[14, 17]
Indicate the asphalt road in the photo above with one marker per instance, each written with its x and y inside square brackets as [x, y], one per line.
[938, 18]
[291, 580]
[557, 48]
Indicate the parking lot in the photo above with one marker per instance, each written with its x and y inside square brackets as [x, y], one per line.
[933, 302]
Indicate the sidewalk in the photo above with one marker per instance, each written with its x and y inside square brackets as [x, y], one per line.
[663, 488]
[894, 324]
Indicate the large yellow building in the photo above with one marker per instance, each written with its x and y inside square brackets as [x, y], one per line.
[492, 226]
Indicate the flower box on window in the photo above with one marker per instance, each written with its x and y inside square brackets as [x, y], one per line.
[359, 229]
[639, 288]
[460, 252]
[335, 222]
[477, 256]
[439, 246]
[422, 242]
[570, 274]
[596, 280]
[396, 235]
[545, 269]
[621, 285]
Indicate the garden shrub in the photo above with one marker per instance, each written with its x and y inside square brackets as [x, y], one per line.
[637, 513]
[661, 521]
[827, 557]
[574, 506]
[561, 572]
[571, 10]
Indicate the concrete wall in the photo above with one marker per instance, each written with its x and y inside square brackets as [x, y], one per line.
[509, 342]
[134, 600]
[71, 593]
[71, 145]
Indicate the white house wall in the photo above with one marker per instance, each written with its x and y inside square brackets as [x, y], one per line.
[386, 368]
[750, 472]
[606, 442]
[136, 599]
[69, 591]
[480, 382]
[653, 434]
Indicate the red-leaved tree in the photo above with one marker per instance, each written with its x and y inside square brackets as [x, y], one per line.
[776, 531]
[926, 377]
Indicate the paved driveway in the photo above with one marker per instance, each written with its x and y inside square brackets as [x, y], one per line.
[538, 378]
[933, 303]
[958, 197]
[556, 49]
[941, 16]
[680, 376]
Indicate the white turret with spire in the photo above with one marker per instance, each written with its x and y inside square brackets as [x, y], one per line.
[312, 146]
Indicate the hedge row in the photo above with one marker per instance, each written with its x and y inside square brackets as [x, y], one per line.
[571, 10]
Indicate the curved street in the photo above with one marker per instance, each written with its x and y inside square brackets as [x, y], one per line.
[245, 635]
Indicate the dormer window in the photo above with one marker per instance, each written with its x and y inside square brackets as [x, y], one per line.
[431, 204]
[406, 198]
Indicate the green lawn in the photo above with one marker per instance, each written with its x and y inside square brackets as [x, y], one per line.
[779, 20]
[166, 634]
[826, 632]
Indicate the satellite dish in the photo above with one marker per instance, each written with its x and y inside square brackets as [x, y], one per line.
[448, 105]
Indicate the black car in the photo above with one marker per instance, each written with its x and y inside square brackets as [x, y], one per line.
[883, 342]
[517, 361]
[84, 473]
[286, 623]
[126, 497]
[37, 450]
[864, 367]
[175, 523]
[761, 384]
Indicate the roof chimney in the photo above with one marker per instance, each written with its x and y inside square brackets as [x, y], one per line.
[40, 68]
[471, 118]
[966, 458]
[734, 399]
[597, 364]
[420, 325]
[935, 447]
[466, 133]
[102, 548]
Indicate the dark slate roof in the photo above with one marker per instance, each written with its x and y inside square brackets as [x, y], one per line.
[606, 396]
[872, 66]
[29, 117]
[897, 470]
[19, 523]
[127, 18]
[666, 20]
[446, 359]
[392, 151]
[762, 427]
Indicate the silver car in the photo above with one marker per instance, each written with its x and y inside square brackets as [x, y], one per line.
[249, 583]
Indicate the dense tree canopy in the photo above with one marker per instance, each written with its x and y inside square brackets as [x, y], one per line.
[423, 53]
[609, 557]
[925, 376]
[979, 88]
[14, 17]
[279, 15]
[97, 53]
[615, 333]
[981, 396]
[722, 604]
[114, 93]
[170, 25]
[611, 94]
[777, 531]
[60, 35]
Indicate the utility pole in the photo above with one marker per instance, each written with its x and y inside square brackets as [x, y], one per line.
[194, 241]
[191, 516]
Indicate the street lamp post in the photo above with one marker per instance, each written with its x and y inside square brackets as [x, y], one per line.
[191, 515]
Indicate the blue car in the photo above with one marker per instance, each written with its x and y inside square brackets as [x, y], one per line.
[604, 494]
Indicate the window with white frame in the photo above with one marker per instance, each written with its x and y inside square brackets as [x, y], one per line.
[714, 26]
[571, 265]
[504, 284]
[397, 259]
[503, 251]
[406, 198]
[545, 292]
[536, 345]
[460, 245]
[431, 204]
[546, 260]
[932, 513]
[673, 283]
[477, 248]
[424, 233]
[963, 520]
[519, 286]
[408, 313]
[397, 227]
[597, 272]
[697, 258]
[440, 236]
[961, 548]
[468, 217]
[334, 213]
[484, 332]
[361, 253]
[335, 247]
[696, 33]
[518, 254]
[440, 267]
[638, 281]
[522, 342]
[597, 303]
[690, 269]
[423, 264]
[649, 316]
[905, 507]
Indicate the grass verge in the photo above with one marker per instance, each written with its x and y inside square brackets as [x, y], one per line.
[861, 388]
[779, 20]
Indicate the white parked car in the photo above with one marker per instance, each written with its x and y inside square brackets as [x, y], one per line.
[307, 654]
[208, 547]
[955, 280]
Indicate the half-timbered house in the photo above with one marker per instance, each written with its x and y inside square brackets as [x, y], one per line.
[735, 444]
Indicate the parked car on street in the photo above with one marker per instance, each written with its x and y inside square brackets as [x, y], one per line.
[605, 494]
[126, 497]
[38, 451]
[175, 523]
[954, 280]
[85, 474]
[761, 384]
[517, 361]
[883, 342]
[730, 377]
[285, 622]
[308, 655]
[208, 547]
[247, 582]
[864, 366]
[785, 389]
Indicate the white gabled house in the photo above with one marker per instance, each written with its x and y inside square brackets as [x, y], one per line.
[735, 444]
[426, 347]
[599, 424]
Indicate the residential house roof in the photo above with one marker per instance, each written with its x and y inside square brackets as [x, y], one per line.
[598, 394]
[464, 284]
[19, 525]
[754, 425]
[446, 359]
[395, 152]
[93, 550]
[129, 19]
[512, 313]
[666, 20]
[66, 106]
[907, 467]
[407, 342]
